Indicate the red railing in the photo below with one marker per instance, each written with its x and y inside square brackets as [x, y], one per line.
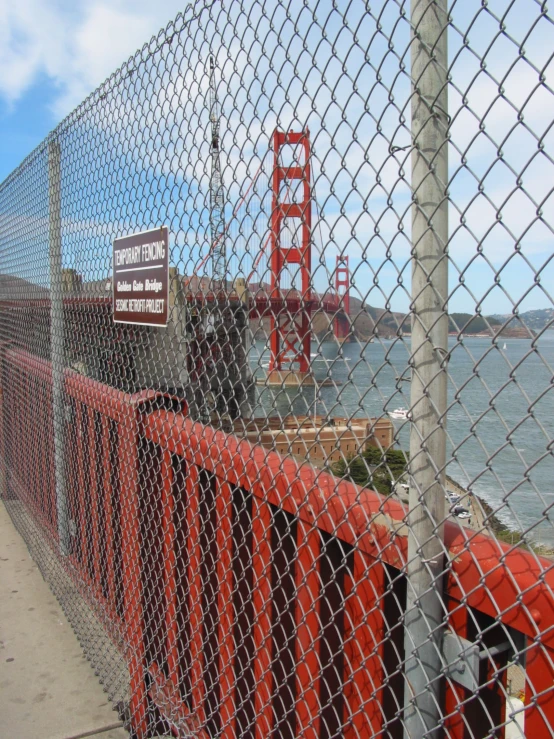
[101, 434]
[255, 596]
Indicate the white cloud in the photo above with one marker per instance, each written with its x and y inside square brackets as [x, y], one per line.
[76, 46]
[355, 104]
[105, 38]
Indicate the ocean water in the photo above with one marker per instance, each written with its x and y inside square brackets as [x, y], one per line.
[500, 418]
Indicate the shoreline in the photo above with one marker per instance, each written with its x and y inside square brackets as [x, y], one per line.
[481, 510]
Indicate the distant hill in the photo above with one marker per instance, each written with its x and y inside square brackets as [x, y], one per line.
[371, 322]
[367, 320]
[537, 320]
[510, 327]
[469, 324]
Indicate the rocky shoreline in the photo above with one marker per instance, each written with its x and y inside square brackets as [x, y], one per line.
[484, 518]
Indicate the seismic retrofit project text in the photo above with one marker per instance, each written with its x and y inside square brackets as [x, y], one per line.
[141, 279]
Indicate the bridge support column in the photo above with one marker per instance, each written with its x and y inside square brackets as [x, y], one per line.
[290, 337]
[342, 282]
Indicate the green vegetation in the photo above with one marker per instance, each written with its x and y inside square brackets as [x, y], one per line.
[468, 323]
[373, 312]
[379, 471]
[537, 320]
[373, 468]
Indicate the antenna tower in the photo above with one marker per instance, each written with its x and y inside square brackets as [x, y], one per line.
[217, 202]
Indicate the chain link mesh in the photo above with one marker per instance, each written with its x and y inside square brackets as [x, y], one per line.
[318, 502]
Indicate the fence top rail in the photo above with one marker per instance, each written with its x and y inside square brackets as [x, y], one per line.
[85, 300]
[108, 401]
[505, 582]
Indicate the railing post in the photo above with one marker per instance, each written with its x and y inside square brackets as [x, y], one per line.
[132, 573]
[57, 336]
[424, 608]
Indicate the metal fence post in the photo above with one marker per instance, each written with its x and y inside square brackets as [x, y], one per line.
[57, 336]
[424, 607]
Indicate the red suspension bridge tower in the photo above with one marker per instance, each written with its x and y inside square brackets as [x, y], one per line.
[291, 309]
[342, 289]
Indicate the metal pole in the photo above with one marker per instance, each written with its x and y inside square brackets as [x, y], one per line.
[424, 607]
[57, 337]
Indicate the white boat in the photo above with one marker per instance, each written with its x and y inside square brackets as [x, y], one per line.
[400, 414]
[504, 347]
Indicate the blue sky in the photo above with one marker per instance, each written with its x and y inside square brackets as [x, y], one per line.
[53, 54]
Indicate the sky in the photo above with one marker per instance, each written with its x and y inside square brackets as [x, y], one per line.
[343, 75]
[53, 53]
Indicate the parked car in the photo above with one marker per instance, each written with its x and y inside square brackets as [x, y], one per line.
[402, 490]
[461, 512]
[452, 497]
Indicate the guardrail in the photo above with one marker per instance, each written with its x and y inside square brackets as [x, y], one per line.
[101, 441]
[255, 595]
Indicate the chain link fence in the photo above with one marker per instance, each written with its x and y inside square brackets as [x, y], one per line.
[276, 360]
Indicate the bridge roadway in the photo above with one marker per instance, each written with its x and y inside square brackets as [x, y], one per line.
[264, 305]
[260, 305]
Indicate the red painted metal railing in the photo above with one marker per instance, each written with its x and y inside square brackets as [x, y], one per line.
[254, 596]
[101, 438]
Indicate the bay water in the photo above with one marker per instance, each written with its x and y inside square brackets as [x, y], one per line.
[500, 418]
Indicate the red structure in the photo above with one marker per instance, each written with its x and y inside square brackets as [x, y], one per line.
[289, 307]
[155, 495]
[290, 331]
[342, 282]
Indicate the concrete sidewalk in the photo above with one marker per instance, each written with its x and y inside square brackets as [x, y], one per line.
[47, 688]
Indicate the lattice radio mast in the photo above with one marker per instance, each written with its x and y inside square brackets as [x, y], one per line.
[217, 202]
